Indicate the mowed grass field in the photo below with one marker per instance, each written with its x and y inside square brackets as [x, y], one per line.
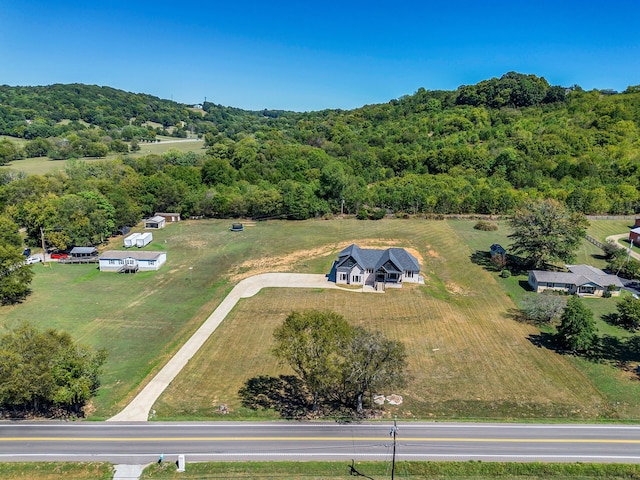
[468, 357]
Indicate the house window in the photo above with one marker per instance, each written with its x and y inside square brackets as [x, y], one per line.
[112, 262]
[152, 262]
[343, 276]
[356, 279]
[408, 274]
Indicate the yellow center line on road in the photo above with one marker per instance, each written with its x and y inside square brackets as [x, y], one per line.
[316, 439]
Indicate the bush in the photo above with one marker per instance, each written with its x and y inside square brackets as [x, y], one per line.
[505, 273]
[378, 214]
[363, 214]
[486, 226]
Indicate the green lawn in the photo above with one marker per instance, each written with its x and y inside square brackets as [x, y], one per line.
[56, 470]
[414, 470]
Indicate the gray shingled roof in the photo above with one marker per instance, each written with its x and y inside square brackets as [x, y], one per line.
[375, 259]
[578, 275]
[83, 250]
[137, 254]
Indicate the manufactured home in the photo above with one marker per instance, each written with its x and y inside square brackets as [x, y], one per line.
[130, 262]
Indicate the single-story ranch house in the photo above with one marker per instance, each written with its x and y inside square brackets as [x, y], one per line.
[130, 262]
[360, 266]
[580, 279]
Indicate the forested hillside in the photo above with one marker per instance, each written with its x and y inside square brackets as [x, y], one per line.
[482, 148]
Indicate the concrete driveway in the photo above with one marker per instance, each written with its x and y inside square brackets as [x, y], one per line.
[138, 409]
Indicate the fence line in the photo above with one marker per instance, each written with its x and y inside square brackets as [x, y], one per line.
[595, 242]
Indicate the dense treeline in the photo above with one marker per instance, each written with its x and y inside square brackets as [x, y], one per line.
[485, 148]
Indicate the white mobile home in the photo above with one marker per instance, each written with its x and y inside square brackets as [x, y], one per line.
[144, 239]
[131, 262]
[130, 241]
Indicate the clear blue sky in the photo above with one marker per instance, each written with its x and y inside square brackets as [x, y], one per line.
[310, 55]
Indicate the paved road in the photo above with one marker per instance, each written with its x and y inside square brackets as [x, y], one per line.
[140, 443]
[140, 406]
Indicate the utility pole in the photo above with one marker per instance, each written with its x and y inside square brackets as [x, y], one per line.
[44, 251]
[394, 432]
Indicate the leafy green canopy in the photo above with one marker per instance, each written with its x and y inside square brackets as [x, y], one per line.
[340, 365]
[577, 329]
[41, 371]
[546, 231]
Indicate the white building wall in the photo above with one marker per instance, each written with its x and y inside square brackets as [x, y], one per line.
[356, 276]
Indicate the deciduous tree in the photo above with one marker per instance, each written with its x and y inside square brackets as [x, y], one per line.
[545, 231]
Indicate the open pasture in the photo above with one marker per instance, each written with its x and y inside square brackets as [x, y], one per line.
[468, 357]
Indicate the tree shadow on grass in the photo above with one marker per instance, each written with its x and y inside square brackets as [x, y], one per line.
[285, 394]
[483, 259]
[544, 340]
[618, 350]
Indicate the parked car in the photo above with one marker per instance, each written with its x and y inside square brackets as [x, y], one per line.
[59, 255]
[32, 260]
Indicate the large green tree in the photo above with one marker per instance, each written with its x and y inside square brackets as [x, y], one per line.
[311, 343]
[546, 231]
[40, 370]
[373, 364]
[15, 276]
[340, 365]
[628, 313]
[577, 329]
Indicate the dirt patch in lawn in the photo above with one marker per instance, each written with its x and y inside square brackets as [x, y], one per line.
[275, 263]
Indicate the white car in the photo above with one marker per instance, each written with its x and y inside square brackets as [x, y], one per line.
[32, 260]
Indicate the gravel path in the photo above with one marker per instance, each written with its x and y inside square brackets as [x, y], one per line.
[138, 409]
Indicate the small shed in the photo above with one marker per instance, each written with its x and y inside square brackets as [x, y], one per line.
[634, 236]
[169, 217]
[237, 227]
[155, 222]
[83, 252]
[636, 223]
[497, 249]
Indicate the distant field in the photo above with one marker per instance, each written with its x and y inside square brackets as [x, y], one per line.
[468, 357]
[42, 165]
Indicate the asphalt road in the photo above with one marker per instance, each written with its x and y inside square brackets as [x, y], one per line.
[139, 443]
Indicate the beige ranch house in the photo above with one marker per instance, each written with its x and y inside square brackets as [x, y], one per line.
[120, 261]
[360, 266]
[580, 280]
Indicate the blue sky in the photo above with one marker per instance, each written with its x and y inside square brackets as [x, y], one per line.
[313, 55]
